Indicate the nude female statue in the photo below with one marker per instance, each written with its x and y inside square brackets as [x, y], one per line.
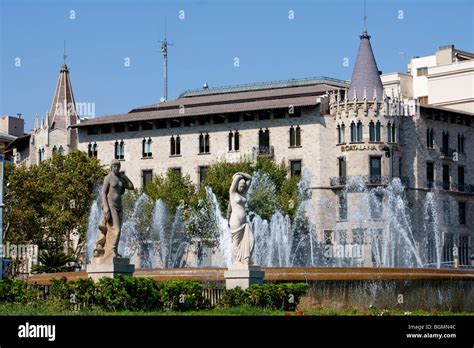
[114, 187]
[242, 237]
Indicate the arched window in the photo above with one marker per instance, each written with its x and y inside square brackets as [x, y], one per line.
[175, 145]
[146, 147]
[389, 132]
[292, 137]
[231, 141]
[119, 149]
[343, 133]
[236, 141]
[172, 146]
[61, 150]
[204, 143]
[55, 149]
[201, 143]
[89, 150]
[298, 136]
[359, 131]
[460, 143]
[94, 150]
[394, 133]
[339, 134]
[353, 132]
[371, 131]
[377, 131]
[264, 138]
[178, 145]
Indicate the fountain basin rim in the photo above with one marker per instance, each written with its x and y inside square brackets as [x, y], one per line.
[281, 274]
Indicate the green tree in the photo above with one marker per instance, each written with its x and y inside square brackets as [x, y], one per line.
[48, 203]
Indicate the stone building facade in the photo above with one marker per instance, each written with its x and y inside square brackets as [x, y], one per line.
[335, 130]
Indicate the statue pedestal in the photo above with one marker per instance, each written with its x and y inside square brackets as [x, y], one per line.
[119, 265]
[243, 276]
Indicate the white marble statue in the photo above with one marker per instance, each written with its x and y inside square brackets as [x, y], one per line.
[243, 240]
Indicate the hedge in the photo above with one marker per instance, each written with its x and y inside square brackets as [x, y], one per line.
[144, 294]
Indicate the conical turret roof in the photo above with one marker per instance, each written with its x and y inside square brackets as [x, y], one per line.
[366, 74]
[63, 111]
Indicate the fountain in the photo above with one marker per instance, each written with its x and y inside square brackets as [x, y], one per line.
[384, 233]
[376, 254]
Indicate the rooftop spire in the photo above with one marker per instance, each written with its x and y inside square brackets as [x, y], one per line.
[63, 105]
[366, 74]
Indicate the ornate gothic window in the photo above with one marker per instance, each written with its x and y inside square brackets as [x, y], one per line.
[146, 147]
[119, 149]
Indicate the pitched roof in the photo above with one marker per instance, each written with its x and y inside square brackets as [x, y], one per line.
[226, 102]
[366, 75]
[63, 111]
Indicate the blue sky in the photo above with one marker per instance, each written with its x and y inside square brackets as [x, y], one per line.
[269, 45]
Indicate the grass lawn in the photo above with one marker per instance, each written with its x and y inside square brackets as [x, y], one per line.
[41, 309]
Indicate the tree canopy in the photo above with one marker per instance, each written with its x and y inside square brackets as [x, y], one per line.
[48, 203]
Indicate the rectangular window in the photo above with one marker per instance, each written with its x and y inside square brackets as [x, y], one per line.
[342, 167]
[464, 250]
[279, 113]
[448, 248]
[106, 128]
[263, 115]
[294, 111]
[461, 178]
[175, 123]
[202, 173]
[147, 176]
[204, 120]
[328, 237]
[423, 71]
[423, 100]
[358, 236]
[445, 148]
[430, 174]
[92, 130]
[147, 125]
[462, 213]
[161, 124]
[295, 166]
[119, 127]
[375, 203]
[233, 118]
[176, 170]
[132, 127]
[342, 205]
[447, 212]
[375, 170]
[446, 183]
[248, 116]
[219, 119]
[189, 121]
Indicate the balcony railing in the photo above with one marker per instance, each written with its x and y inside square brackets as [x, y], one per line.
[447, 152]
[264, 151]
[366, 179]
[450, 186]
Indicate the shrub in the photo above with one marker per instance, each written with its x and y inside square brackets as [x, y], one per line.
[233, 298]
[283, 296]
[19, 291]
[128, 293]
[182, 295]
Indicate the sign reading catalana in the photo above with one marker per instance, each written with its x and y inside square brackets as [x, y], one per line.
[370, 147]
